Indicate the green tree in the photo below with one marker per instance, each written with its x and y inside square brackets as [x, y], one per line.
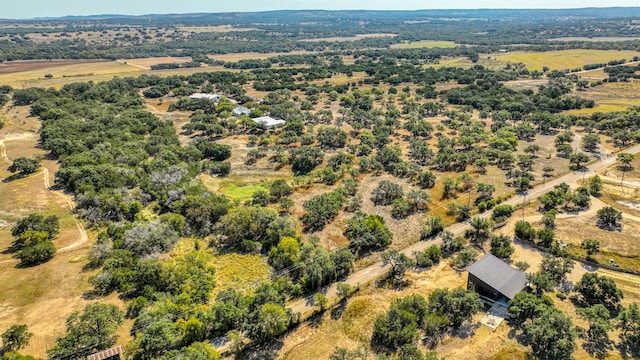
[590, 142]
[524, 231]
[558, 267]
[525, 306]
[592, 246]
[244, 226]
[90, 331]
[479, 229]
[594, 184]
[386, 192]
[449, 187]
[629, 324]
[321, 209]
[625, 159]
[551, 335]
[541, 282]
[15, 338]
[609, 216]
[285, 254]
[272, 321]
[321, 301]
[593, 289]
[367, 232]
[501, 246]
[398, 262]
[578, 160]
[598, 317]
[36, 222]
[24, 166]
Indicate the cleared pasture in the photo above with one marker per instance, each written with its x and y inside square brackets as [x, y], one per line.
[68, 73]
[564, 59]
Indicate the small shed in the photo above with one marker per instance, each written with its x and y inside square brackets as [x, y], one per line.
[493, 279]
[241, 110]
[113, 353]
[268, 122]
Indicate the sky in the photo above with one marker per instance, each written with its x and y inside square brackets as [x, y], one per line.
[23, 9]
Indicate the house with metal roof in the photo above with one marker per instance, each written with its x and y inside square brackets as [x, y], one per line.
[493, 279]
[212, 97]
[241, 110]
[268, 122]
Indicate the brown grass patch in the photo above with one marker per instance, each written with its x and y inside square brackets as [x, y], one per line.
[64, 74]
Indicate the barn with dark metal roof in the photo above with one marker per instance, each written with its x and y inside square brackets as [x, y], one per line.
[493, 279]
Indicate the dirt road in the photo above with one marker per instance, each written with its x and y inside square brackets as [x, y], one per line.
[375, 271]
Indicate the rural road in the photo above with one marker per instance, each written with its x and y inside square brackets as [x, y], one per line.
[377, 270]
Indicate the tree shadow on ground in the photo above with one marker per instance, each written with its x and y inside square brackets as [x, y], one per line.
[338, 309]
[316, 320]
[389, 282]
[14, 177]
[598, 348]
[466, 330]
[267, 351]
[627, 348]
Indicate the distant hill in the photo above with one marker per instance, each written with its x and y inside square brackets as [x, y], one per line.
[297, 16]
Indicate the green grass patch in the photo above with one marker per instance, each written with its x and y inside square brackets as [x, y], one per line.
[241, 192]
[243, 272]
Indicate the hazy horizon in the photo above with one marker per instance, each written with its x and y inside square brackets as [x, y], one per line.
[29, 9]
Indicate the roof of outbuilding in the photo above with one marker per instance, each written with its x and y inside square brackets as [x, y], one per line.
[499, 275]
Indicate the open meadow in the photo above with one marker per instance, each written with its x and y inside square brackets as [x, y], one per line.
[563, 59]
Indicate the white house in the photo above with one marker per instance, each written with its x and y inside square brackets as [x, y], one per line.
[212, 97]
[268, 122]
[241, 110]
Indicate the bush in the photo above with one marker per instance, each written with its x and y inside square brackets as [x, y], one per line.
[502, 212]
[428, 257]
[401, 208]
[524, 231]
[434, 225]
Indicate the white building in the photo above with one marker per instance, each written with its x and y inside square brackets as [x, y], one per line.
[241, 110]
[212, 97]
[268, 122]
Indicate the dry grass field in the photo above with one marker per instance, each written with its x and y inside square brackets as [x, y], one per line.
[27, 76]
[563, 59]
[610, 97]
[146, 63]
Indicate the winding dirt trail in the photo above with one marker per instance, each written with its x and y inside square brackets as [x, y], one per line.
[3, 153]
[82, 238]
